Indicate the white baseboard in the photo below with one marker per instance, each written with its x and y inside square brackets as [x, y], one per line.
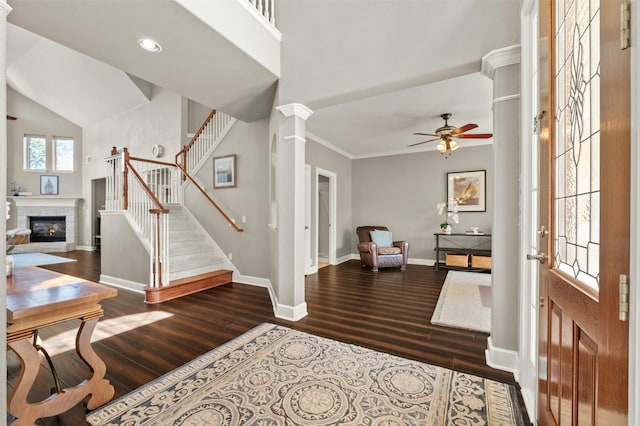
[411, 261]
[125, 284]
[529, 398]
[291, 313]
[502, 359]
[86, 248]
[343, 259]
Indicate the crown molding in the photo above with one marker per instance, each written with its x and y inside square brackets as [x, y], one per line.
[299, 110]
[317, 139]
[499, 58]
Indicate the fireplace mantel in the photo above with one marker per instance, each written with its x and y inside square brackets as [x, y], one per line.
[35, 201]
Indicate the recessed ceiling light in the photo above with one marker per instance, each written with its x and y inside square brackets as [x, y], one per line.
[149, 45]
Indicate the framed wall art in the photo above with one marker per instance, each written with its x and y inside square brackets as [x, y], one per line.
[49, 185]
[224, 172]
[468, 190]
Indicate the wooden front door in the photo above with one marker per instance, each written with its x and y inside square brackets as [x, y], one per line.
[584, 206]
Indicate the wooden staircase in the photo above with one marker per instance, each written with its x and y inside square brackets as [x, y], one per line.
[193, 263]
[183, 258]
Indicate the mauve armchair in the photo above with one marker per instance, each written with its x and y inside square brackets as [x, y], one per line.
[381, 255]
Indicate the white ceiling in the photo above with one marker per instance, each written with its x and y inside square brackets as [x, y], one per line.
[373, 72]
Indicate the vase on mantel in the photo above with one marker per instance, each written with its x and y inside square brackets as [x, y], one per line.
[446, 230]
[9, 266]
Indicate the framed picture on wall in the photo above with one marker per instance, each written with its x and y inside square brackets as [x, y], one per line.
[224, 172]
[468, 189]
[48, 185]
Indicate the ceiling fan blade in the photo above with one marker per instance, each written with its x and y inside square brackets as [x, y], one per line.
[425, 134]
[475, 136]
[11, 117]
[420, 143]
[464, 128]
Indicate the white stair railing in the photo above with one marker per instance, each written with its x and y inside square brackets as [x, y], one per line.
[265, 8]
[142, 187]
[214, 128]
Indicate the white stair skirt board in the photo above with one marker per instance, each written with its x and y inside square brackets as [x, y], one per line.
[465, 301]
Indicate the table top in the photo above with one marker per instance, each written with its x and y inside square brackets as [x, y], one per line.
[33, 291]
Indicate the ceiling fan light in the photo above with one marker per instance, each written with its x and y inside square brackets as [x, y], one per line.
[442, 147]
[453, 145]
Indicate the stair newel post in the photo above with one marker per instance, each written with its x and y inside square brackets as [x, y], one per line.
[156, 262]
[125, 179]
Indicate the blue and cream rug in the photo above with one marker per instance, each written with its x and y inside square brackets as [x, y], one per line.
[273, 375]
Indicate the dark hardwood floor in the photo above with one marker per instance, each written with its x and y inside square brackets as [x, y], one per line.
[388, 311]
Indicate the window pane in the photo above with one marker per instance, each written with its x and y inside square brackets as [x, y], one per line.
[36, 152]
[64, 154]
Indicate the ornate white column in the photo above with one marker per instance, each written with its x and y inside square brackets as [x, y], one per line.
[290, 182]
[503, 67]
[4, 11]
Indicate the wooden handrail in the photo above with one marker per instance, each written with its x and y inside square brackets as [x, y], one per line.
[146, 160]
[146, 188]
[194, 139]
[213, 203]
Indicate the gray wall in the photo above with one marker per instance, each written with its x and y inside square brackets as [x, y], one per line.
[35, 119]
[401, 192]
[122, 255]
[249, 199]
[319, 156]
[158, 122]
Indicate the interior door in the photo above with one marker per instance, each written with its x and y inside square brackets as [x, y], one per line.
[585, 184]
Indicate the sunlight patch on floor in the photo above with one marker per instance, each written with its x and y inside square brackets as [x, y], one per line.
[64, 342]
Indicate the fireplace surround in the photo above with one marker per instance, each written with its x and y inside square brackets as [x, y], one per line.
[28, 207]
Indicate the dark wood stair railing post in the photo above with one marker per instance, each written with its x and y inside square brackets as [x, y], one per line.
[125, 180]
[157, 263]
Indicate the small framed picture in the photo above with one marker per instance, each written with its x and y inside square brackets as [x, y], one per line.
[468, 190]
[48, 185]
[224, 172]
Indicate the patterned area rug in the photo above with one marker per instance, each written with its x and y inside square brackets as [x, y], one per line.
[273, 375]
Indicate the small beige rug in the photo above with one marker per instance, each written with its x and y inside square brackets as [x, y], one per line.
[273, 375]
[465, 301]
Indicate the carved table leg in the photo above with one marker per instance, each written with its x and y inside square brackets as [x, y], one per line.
[97, 386]
[100, 389]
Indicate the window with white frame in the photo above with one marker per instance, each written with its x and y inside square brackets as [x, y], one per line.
[63, 154]
[35, 152]
[39, 157]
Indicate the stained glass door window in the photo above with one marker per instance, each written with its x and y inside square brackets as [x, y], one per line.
[577, 140]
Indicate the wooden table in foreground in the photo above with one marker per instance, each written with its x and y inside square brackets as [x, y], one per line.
[37, 298]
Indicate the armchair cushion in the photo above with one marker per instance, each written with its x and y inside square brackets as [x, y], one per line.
[389, 250]
[382, 238]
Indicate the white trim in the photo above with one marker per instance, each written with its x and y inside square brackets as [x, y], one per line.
[317, 139]
[299, 110]
[291, 313]
[251, 280]
[410, 261]
[506, 98]
[295, 137]
[344, 258]
[36, 201]
[502, 359]
[86, 248]
[499, 58]
[121, 283]
[333, 189]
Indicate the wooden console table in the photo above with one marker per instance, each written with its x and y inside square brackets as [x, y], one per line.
[457, 245]
[38, 298]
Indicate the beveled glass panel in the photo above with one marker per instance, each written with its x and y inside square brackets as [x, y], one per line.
[577, 139]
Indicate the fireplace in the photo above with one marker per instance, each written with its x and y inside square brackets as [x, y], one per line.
[45, 229]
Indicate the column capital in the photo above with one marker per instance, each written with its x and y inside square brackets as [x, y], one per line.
[499, 58]
[5, 7]
[299, 110]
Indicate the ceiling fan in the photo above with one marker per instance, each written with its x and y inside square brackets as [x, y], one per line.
[448, 134]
